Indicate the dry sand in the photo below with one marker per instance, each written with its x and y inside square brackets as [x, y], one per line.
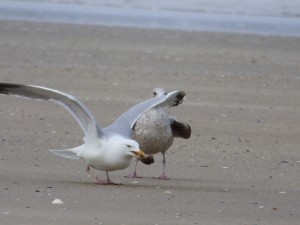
[241, 165]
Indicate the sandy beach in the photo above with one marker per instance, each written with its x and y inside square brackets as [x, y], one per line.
[241, 165]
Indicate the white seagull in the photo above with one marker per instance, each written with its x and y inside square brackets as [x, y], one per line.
[156, 129]
[108, 149]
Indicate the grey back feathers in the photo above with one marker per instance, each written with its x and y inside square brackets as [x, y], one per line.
[126, 122]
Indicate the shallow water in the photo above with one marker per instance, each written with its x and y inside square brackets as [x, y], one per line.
[237, 20]
[278, 8]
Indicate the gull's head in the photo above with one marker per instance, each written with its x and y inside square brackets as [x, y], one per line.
[134, 151]
[133, 148]
[128, 147]
[118, 152]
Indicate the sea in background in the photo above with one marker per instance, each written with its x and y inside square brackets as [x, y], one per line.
[263, 17]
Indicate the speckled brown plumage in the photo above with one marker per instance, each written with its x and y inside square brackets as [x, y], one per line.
[155, 131]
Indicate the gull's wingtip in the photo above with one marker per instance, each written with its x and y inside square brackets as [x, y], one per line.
[5, 88]
[178, 97]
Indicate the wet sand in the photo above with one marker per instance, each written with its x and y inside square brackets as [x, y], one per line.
[241, 165]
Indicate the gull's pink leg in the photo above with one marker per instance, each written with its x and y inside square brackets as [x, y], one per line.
[163, 174]
[98, 180]
[134, 174]
[109, 181]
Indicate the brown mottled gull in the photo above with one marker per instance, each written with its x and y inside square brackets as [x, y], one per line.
[156, 129]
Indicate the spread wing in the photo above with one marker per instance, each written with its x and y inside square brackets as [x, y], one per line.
[78, 110]
[124, 124]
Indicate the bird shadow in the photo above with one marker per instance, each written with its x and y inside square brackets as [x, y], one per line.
[179, 184]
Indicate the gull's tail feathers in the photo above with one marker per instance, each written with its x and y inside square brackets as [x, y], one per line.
[157, 92]
[67, 153]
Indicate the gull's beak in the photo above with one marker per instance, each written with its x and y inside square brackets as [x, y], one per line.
[139, 154]
[146, 159]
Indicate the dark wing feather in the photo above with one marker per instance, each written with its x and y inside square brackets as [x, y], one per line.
[180, 129]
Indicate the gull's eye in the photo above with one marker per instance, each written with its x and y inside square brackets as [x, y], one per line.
[129, 146]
